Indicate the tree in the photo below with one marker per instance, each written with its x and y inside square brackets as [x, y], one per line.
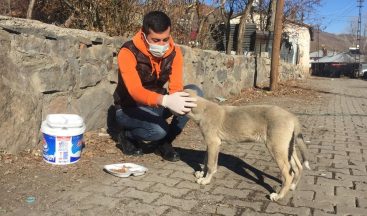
[278, 26]
[271, 16]
[228, 9]
[5, 7]
[242, 27]
[295, 10]
[227, 17]
[14, 8]
[30, 9]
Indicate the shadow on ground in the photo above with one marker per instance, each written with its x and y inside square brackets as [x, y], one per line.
[194, 158]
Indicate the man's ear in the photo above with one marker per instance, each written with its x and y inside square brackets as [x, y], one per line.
[191, 92]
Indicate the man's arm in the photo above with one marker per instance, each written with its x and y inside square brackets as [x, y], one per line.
[127, 66]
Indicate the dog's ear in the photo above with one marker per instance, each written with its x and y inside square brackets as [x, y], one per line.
[191, 92]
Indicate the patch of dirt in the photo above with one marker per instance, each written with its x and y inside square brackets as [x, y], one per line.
[290, 89]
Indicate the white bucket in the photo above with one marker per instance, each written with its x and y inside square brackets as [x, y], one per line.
[63, 138]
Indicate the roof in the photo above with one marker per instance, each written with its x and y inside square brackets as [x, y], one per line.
[298, 23]
[337, 58]
[320, 54]
[316, 54]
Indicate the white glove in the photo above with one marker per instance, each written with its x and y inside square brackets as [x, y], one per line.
[179, 102]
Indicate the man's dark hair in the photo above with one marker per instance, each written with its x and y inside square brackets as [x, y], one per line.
[157, 21]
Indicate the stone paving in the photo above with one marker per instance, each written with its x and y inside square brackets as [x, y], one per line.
[335, 130]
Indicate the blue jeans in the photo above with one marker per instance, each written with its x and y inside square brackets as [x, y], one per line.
[145, 123]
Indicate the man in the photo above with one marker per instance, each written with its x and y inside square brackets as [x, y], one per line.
[146, 64]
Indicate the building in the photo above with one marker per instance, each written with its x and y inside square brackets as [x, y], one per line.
[295, 45]
[299, 37]
[338, 64]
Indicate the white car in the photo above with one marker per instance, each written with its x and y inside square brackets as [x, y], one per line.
[364, 73]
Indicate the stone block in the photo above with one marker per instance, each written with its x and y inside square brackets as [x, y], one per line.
[204, 196]
[231, 192]
[146, 197]
[97, 98]
[53, 78]
[91, 74]
[249, 211]
[135, 207]
[276, 208]
[177, 203]
[172, 191]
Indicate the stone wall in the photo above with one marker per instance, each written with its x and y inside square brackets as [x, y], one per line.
[48, 69]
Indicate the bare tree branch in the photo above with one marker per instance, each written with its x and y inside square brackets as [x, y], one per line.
[205, 18]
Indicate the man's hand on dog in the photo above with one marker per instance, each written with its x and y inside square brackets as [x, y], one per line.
[179, 102]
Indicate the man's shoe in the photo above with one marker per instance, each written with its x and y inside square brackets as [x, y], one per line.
[128, 147]
[168, 152]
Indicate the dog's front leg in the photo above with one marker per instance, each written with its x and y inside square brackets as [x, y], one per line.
[213, 144]
[201, 173]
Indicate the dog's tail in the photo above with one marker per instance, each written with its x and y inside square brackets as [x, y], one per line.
[301, 145]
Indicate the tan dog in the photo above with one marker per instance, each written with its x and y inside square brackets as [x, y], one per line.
[273, 125]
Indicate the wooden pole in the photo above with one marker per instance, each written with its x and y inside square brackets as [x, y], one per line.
[275, 55]
[30, 9]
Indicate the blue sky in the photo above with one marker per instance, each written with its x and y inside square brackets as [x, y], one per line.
[335, 16]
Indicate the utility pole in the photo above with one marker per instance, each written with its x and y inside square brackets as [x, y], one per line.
[274, 71]
[357, 57]
[318, 49]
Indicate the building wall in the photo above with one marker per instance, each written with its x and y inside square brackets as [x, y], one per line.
[299, 36]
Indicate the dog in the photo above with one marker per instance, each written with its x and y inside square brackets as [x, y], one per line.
[279, 129]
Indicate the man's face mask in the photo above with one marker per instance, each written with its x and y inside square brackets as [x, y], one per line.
[157, 50]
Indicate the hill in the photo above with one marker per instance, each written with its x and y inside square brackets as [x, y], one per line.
[339, 43]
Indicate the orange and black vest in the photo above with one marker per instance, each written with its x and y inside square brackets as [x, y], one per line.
[149, 80]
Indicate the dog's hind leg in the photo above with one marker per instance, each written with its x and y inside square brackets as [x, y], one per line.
[301, 145]
[287, 176]
[213, 144]
[297, 168]
[281, 149]
[281, 145]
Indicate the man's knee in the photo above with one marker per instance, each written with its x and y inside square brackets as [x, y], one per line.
[157, 133]
[196, 88]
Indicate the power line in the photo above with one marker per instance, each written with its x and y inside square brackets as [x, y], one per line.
[344, 10]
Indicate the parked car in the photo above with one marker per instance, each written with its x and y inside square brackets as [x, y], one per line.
[364, 73]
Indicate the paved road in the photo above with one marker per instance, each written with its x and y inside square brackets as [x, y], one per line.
[335, 129]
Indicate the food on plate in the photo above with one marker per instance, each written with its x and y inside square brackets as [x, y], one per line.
[125, 169]
[120, 170]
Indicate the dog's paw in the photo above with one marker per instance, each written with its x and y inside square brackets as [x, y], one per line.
[274, 196]
[203, 181]
[199, 174]
[292, 187]
[307, 165]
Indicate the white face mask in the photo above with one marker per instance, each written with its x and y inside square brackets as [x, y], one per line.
[157, 50]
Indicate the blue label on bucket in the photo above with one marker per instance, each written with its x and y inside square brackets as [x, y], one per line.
[49, 144]
[62, 149]
[76, 147]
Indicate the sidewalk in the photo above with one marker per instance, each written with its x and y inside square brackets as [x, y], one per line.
[335, 130]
